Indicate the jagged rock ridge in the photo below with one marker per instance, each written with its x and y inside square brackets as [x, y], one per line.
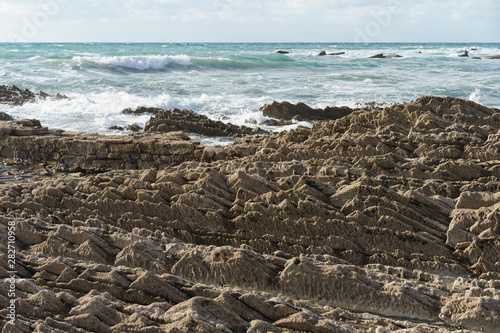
[380, 221]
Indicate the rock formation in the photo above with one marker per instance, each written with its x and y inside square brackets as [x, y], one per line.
[493, 57]
[382, 56]
[382, 220]
[12, 95]
[301, 111]
[184, 120]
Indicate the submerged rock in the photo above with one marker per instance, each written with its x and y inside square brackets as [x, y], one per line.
[282, 52]
[493, 57]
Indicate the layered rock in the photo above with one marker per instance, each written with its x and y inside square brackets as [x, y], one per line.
[27, 140]
[383, 220]
[188, 121]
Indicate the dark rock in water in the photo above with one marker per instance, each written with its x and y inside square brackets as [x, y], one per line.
[133, 128]
[282, 52]
[141, 110]
[337, 53]
[301, 111]
[322, 53]
[473, 49]
[5, 117]
[59, 97]
[382, 56]
[277, 122]
[419, 52]
[493, 57]
[29, 122]
[476, 58]
[13, 96]
[187, 121]
[463, 53]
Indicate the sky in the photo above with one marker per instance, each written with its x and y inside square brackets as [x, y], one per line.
[249, 21]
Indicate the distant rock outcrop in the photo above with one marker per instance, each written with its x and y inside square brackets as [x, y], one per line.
[382, 56]
[12, 95]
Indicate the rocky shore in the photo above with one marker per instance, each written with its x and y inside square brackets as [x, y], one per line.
[382, 219]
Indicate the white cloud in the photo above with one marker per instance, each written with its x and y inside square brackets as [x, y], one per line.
[277, 19]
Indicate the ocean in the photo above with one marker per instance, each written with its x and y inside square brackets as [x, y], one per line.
[231, 81]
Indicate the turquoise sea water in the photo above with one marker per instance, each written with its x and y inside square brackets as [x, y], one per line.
[231, 82]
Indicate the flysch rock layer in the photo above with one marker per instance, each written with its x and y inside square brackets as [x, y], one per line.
[380, 221]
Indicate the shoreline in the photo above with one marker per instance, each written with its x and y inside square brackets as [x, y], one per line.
[375, 219]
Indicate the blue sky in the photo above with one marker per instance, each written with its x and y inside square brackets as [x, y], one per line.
[250, 21]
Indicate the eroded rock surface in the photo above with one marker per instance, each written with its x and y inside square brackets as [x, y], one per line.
[383, 220]
[191, 122]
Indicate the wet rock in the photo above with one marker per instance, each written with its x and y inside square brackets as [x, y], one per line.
[5, 117]
[188, 121]
[492, 57]
[321, 53]
[382, 56]
[282, 52]
[337, 53]
[141, 110]
[301, 111]
[12, 95]
[133, 128]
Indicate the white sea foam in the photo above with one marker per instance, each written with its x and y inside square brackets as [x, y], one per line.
[94, 112]
[475, 96]
[139, 62]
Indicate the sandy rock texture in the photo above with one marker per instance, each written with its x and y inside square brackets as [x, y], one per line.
[384, 220]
